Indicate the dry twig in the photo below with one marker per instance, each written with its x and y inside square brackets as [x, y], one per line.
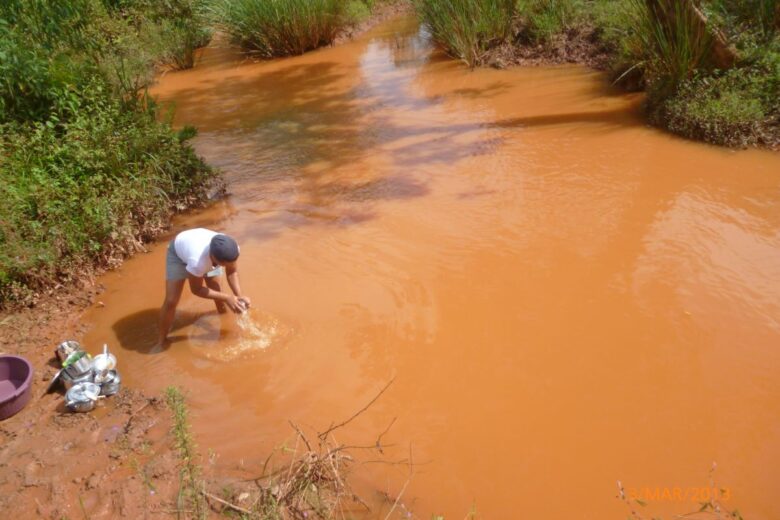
[226, 503]
[324, 435]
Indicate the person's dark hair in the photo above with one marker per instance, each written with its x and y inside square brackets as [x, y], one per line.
[224, 248]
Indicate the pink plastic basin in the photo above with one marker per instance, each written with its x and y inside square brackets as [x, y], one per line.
[15, 385]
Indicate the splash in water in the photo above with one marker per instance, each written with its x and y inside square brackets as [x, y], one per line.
[251, 332]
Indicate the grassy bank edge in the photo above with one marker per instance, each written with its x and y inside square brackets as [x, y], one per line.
[90, 168]
[687, 94]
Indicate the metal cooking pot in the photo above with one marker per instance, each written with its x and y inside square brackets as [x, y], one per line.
[70, 382]
[66, 348]
[111, 383]
[82, 397]
[78, 364]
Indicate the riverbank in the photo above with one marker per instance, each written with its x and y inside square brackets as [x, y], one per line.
[90, 168]
[114, 462]
[711, 72]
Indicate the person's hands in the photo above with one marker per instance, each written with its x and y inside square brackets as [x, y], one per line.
[235, 304]
[246, 301]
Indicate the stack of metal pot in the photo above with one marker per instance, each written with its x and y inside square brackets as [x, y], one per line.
[86, 379]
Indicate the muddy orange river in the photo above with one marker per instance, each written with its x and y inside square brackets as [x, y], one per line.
[565, 296]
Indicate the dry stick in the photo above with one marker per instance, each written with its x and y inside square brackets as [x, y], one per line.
[379, 439]
[324, 435]
[301, 435]
[398, 498]
[226, 503]
[401, 493]
[402, 462]
[292, 460]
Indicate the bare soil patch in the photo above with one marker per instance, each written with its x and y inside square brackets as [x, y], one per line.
[580, 44]
[114, 462]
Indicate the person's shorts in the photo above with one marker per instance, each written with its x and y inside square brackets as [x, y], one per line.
[175, 269]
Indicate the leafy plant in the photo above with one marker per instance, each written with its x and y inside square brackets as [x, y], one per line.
[86, 168]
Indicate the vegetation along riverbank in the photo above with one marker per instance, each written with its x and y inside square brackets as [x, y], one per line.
[711, 69]
[88, 168]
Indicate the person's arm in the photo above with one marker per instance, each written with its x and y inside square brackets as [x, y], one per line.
[200, 289]
[235, 286]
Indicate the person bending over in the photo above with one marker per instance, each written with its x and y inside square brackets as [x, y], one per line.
[199, 256]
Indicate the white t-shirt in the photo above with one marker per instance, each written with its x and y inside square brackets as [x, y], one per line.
[193, 247]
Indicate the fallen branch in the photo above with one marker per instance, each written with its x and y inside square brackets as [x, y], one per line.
[133, 414]
[325, 434]
[226, 503]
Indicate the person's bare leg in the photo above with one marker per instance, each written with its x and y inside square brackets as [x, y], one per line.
[173, 289]
[213, 284]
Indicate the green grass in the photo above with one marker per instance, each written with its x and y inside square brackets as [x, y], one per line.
[274, 28]
[545, 19]
[467, 29]
[670, 45]
[738, 107]
[357, 11]
[87, 169]
[190, 497]
[660, 46]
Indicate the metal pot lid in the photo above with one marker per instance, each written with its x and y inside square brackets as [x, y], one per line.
[83, 392]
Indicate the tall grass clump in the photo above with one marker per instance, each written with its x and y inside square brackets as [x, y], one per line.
[281, 27]
[87, 169]
[669, 43]
[467, 29]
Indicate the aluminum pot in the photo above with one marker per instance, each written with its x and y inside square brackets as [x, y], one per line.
[70, 382]
[66, 348]
[82, 397]
[78, 364]
[111, 383]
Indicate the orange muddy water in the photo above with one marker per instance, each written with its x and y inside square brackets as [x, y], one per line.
[565, 297]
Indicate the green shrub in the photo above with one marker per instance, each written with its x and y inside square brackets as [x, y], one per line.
[755, 18]
[170, 30]
[467, 29]
[737, 107]
[357, 11]
[82, 192]
[281, 27]
[86, 168]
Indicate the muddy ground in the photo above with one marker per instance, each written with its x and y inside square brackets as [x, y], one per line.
[580, 45]
[116, 461]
